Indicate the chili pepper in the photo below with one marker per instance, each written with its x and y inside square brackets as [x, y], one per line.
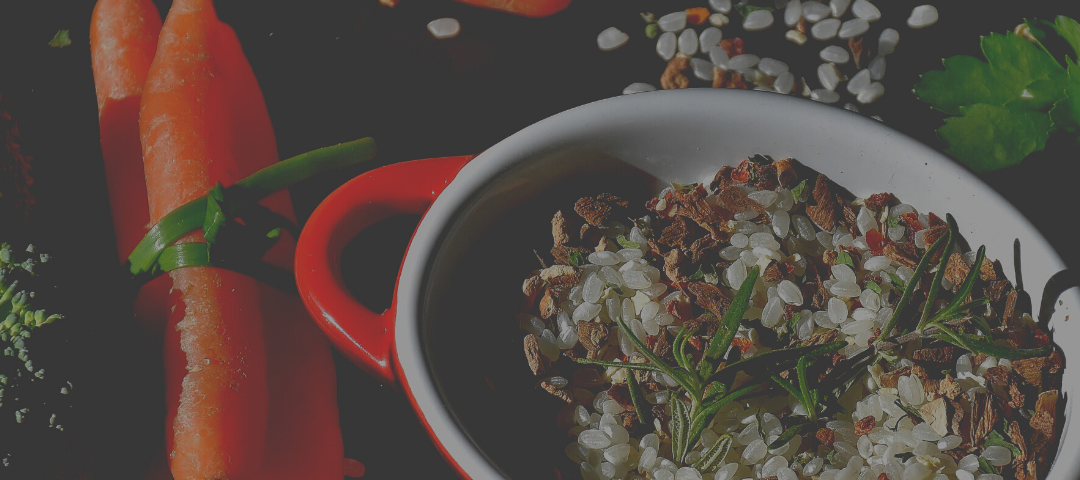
[250, 379]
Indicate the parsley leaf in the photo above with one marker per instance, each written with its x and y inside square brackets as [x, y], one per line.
[576, 258]
[745, 10]
[623, 242]
[995, 439]
[797, 192]
[60, 40]
[893, 222]
[1066, 112]
[897, 281]
[845, 259]
[989, 137]
[699, 274]
[1069, 29]
[872, 285]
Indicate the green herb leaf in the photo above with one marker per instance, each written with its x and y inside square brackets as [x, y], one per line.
[636, 399]
[797, 192]
[576, 258]
[60, 40]
[845, 258]
[680, 428]
[897, 281]
[872, 285]
[1012, 64]
[893, 222]
[989, 137]
[729, 325]
[745, 10]
[790, 433]
[717, 452]
[215, 213]
[1069, 29]
[995, 439]
[986, 467]
[1066, 112]
[623, 242]
[699, 274]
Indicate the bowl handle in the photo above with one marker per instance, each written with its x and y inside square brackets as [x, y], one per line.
[406, 188]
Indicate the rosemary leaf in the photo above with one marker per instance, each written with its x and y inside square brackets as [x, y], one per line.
[635, 398]
[909, 289]
[678, 374]
[729, 325]
[807, 399]
[786, 385]
[631, 366]
[680, 429]
[790, 433]
[717, 452]
[935, 285]
[776, 360]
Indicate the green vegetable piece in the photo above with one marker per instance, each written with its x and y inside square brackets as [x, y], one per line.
[60, 40]
[636, 398]
[986, 467]
[215, 215]
[790, 433]
[989, 137]
[699, 274]
[652, 30]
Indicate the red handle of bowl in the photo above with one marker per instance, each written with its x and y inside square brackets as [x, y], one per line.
[407, 188]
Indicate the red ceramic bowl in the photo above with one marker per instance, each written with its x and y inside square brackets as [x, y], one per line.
[450, 339]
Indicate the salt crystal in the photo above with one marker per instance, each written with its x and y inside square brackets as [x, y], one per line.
[837, 310]
[790, 293]
[859, 82]
[871, 93]
[611, 38]
[926, 433]
[795, 36]
[666, 45]
[877, 68]
[772, 313]
[594, 439]
[647, 458]
[997, 455]
[743, 62]
[772, 67]
[793, 12]
[754, 452]
[710, 37]
[843, 273]
[718, 56]
[845, 289]
[922, 16]
[688, 473]
[718, 20]
[781, 223]
[911, 390]
[604, 258]
[853, 28]
[673, 22]
[586, 311]
[835, 54]
[839, 7]
[758, 20]
[638, 88]
[825, 29]
[688, 42]
[887, 41]
[617, 454]
[444, 28]
[865, 10]
[703, 69]
[969, 463]
[739, 240]
[722, 6]
[815, 11]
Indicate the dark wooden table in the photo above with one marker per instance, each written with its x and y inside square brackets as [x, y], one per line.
[336, 70]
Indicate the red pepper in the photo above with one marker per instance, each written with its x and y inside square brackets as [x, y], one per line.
[527, 8]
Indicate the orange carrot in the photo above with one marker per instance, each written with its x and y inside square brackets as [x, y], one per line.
[257, 395]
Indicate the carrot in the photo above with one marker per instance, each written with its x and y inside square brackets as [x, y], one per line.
[253, 376]
[527, 8]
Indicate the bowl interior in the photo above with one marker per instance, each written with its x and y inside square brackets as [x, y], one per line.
[462, 277]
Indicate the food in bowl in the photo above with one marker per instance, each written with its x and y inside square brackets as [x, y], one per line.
[770, 324]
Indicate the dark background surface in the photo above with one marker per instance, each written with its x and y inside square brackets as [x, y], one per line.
[333, 71]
